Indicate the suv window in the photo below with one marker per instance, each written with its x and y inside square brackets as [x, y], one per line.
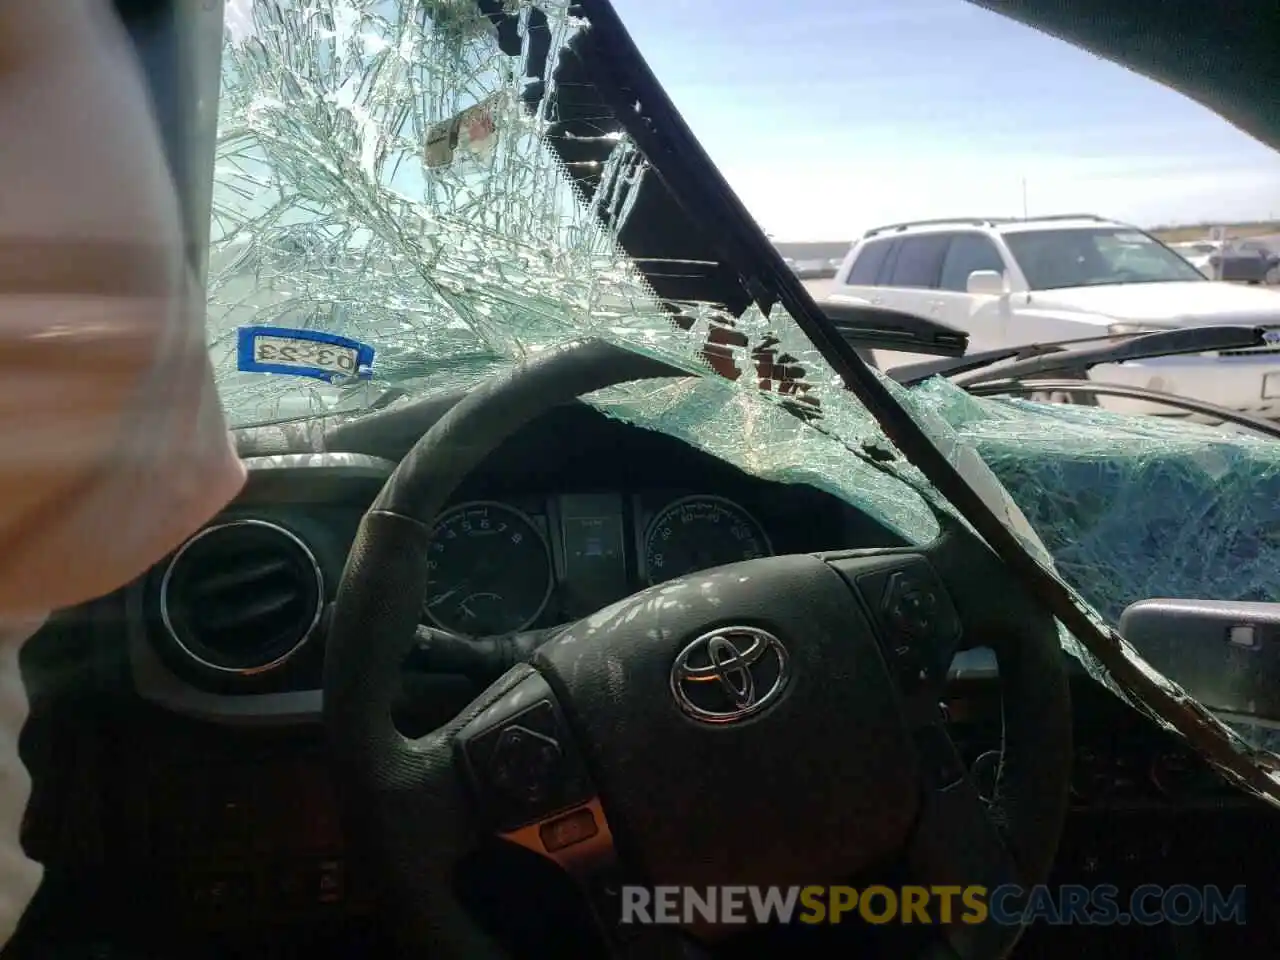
[919, 262]
[1095, 256]
[867, 263]
[968, 252]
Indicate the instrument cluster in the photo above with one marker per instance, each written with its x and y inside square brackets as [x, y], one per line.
[500, 567]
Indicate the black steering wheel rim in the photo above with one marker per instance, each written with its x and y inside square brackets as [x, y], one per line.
[423, 806]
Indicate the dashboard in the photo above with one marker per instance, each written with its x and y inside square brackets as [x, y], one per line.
[179, 767]
[574, 513]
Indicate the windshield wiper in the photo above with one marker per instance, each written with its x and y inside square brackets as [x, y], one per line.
[1075, 354]
[879, 328]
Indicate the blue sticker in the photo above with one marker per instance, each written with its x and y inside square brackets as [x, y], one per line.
[303, 353]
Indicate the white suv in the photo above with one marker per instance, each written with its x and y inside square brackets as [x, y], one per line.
[1014, 282]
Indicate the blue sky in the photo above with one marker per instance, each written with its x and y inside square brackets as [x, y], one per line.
[829, 116]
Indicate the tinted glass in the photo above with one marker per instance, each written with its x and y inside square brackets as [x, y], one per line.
[919, 262]
[867, 264]
[1054, 259]
[968, 252]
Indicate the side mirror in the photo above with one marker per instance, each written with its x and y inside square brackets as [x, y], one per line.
[986, 283]
[1223, 653]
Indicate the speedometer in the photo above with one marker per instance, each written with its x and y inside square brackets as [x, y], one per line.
[489, 570]
[700, 532]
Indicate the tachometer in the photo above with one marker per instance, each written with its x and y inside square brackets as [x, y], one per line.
[700, 532]
[490, 570]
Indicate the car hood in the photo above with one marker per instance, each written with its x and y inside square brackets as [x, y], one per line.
[1131, 507]
[1187, 303]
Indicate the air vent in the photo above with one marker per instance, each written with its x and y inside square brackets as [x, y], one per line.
[242, 597]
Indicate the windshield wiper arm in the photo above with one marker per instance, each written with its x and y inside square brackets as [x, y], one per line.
[911, 374]
[1165, 343]
[880, 328]
[1073, 354]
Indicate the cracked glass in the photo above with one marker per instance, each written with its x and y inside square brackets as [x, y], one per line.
[381, 176]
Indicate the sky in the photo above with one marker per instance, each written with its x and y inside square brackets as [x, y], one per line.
[832, 116]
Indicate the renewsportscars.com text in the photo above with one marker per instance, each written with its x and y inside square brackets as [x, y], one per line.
[1066, 905]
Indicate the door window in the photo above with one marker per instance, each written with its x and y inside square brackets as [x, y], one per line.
[919, 262]
[867, 263]
[968, 252]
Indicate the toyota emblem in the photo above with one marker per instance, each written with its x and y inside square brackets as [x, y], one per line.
[729, 674]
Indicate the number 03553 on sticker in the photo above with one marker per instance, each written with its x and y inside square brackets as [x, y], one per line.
[303, 353]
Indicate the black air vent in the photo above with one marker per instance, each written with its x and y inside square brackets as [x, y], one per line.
[241, 597]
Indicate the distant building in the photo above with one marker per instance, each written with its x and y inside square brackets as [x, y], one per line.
[825, 250]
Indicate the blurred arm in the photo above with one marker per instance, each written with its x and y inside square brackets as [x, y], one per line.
[113, 447]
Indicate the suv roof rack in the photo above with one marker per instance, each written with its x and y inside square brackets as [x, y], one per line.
[969, 221]
[1068, 216]
[979, 222]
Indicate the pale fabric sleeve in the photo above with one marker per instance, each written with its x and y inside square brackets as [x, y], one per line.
[115, 477]
[112, 442]
[113, 446]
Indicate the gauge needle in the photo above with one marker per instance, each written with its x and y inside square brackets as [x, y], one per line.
[466, 610]
[436, 601]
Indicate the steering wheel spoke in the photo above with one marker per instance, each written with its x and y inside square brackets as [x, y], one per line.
[530, 780]
[916, 623]
[927, 605]
[532, 788]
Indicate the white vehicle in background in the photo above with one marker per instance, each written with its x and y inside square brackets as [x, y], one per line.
[1199, 253]
[1017, 282]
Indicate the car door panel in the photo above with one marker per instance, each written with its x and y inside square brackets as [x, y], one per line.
[987, 320]
[911, 273]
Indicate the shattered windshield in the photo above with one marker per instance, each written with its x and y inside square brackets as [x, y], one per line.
[383, 180]
[388, 215]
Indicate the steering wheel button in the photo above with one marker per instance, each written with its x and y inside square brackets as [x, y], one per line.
[909, 604]
[567, 830]
[914, 611]
[524, 764]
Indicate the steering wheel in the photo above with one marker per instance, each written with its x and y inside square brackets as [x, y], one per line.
[771, 722]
